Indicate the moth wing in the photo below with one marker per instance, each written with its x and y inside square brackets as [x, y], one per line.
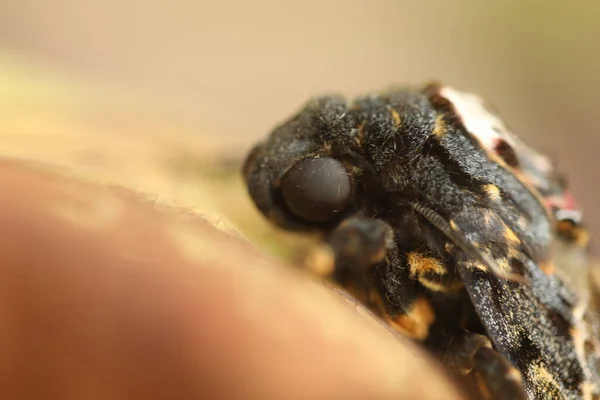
[537, 322]
[527, 324]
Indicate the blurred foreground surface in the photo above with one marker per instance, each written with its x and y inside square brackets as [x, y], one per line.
[104, 296]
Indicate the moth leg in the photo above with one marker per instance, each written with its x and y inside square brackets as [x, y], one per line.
[472, 354]
[351, 249]
[359, 243]
[367, 259]
[497, 377]
[366, 264]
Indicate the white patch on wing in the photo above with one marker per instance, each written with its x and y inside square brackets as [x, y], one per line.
[489, 130]
[487, 127]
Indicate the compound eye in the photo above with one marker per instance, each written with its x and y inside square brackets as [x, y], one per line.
[317, 189]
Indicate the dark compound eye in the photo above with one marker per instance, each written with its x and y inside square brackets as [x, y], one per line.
[317, 189]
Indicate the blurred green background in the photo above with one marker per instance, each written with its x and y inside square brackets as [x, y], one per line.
[207, 79]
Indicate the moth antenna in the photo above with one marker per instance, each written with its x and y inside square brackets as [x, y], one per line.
[440, 223]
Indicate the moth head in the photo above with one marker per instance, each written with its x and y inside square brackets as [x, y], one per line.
[303, 194]
[295, 178]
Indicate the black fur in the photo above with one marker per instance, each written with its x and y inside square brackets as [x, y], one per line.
[409, 147]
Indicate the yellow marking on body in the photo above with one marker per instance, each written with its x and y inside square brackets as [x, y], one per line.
[547, 267]
[503, 264]
[360, 133]
[440, 287]
[513, 251]
[415, 323]
[453, 225]
[449, 247]
[492, 192]
[510, 236]
[420, 264]
[476, 265]
[440, 126]
[395, 116]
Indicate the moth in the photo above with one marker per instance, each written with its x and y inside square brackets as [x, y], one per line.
[446, 225]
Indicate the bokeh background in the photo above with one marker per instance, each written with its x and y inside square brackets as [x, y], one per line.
[166, 96]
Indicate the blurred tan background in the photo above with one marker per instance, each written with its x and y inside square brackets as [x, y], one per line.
[157, 94]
